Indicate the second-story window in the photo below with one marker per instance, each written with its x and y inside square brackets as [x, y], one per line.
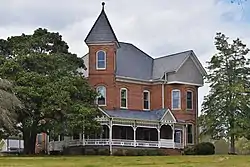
[124, 98]
[146, 100]
[189, 100]
[101, 60]
[101, 98]
[176, 99]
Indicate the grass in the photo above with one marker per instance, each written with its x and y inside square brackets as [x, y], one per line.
[102, 161]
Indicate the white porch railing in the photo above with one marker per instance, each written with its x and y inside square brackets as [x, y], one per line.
[163, 143]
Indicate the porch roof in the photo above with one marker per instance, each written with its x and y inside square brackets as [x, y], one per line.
[153, 115]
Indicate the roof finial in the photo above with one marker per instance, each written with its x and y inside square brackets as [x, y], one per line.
[103, 4]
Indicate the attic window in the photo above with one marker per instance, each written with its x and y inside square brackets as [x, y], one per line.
[101, 60]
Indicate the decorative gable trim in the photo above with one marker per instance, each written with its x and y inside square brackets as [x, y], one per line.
[103, 111]
[170, 113]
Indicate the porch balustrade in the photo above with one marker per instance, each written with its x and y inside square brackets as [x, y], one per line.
[58, 145]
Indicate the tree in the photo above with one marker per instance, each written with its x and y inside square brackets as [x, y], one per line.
[228, 75]
[46, 77]
[9, 106]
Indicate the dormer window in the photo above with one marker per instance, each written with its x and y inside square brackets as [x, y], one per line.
[101, 98]
[176, 99]
[101, 60]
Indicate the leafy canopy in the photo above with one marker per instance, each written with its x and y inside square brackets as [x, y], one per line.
[228, 76]
[47, 79]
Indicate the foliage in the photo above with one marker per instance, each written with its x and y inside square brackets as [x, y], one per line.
[204, 148]
[138, 152]
[46, 77]
[189, 150]
[243, 146]
[228, 75]
[9, 107]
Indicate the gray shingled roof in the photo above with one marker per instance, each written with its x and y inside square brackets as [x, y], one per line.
[169, 63]
[101, 30]
[154, 115]
[134, 63]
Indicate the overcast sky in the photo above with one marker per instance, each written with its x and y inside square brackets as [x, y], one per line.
[158, 27]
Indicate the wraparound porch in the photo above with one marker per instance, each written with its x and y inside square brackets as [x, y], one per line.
[161, 132]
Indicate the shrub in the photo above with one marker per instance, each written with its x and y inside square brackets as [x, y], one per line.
[131, 152]
[205, 148]
[141, 152]
[119, 152]
[103, 152]
[189, 150]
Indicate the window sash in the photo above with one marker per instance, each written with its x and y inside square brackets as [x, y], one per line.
[176, 99]
[123, 98]
[101, 60]
[189, 100]
[101, 98]
[146, 98]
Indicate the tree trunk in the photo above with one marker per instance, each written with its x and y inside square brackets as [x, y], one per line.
[29, 138]
[232, 144]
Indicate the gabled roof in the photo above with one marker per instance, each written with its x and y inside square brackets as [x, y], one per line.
[169, 63]
[101, 31]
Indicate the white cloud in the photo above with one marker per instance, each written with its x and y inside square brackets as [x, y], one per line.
[157, 27]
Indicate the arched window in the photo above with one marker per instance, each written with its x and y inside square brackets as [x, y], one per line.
[124, 98]
[176, 99]
[146, 100]
[101, 60]
[101, 98]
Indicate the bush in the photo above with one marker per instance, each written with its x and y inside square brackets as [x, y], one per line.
[189, 150]
[205, 148]
[119, 152]
[131, 152]
[103, 152]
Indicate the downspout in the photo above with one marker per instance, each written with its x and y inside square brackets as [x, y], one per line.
[164, 81]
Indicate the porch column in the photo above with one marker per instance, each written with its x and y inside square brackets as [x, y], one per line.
[134, 128]
[59, 137]
[173, 136]
[159, 136]
[184, 135]
[83, 138]
[110, 136]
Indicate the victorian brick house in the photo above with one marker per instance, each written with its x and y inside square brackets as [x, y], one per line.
[145, 101]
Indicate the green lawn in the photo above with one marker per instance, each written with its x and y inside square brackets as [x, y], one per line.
[99, 161]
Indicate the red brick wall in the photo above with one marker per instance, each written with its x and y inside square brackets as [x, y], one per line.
[104, 77]
[135, 90]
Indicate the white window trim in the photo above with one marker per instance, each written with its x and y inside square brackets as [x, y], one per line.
[192, 100]
[105, 104]
[148, 100]
[172, 99]
[126, 98]
[105, 60]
